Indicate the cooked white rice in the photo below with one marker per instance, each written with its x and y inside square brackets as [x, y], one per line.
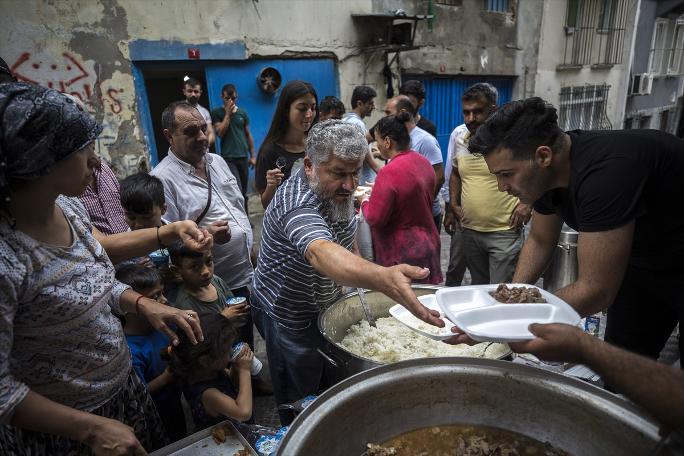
[391, 341]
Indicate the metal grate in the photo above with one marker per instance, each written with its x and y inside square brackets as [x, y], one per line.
[584, 107]
[499, 6]
[595, 31]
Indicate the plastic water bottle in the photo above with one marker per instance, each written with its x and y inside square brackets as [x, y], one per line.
[364, 238]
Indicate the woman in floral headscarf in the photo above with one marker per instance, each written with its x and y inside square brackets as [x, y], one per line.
[66, 385]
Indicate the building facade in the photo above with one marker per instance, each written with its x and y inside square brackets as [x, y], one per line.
[656, 93]
[126, 59]
[584, 56]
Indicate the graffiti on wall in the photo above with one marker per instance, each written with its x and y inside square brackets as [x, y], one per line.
[67, 74]
[110, 100]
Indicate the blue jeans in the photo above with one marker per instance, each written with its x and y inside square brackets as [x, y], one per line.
[295, 365]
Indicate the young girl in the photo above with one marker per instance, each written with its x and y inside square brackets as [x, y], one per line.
[282, 151]
[215, 385]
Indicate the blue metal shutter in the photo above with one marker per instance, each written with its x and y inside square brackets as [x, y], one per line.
[443, 100]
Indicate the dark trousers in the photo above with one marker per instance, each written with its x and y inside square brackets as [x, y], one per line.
[240, 169]
[438, 221]
[295, 365]
[646, 310]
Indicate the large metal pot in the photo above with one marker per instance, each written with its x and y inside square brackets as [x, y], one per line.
[562, 270]
[334, 322]
[381, 403]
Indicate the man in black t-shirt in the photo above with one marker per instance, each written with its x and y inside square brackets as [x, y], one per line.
[622, 191]
[415, 90]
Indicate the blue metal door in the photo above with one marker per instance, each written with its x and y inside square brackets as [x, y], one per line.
[321, 73]
[443, 101]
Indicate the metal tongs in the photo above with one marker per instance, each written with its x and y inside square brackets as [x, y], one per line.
[366, 309]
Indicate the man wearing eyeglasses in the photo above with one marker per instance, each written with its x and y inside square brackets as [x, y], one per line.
[237, 145]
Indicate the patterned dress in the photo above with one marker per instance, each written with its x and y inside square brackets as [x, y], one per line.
[59, 338]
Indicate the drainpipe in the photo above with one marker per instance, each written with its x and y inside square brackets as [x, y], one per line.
[628, 73]
[431, 12]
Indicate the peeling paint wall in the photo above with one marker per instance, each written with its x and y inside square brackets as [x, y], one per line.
[81, 47]
[467, 40]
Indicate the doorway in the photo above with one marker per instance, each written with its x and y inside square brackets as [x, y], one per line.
[164, 85]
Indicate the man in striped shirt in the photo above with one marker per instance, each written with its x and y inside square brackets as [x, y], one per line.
[306, 256]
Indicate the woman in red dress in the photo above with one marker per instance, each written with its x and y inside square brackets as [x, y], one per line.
[399, 210]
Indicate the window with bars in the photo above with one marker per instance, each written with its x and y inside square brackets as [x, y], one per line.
[595, 32]
[584, 107]
[675, 65]
[499, 6]
[657, 51]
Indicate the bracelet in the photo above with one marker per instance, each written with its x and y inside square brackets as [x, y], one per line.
[137, 303]
[161, 246]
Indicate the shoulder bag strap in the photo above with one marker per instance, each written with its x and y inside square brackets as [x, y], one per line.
[206, 208]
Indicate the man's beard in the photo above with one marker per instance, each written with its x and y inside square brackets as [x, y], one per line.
[333, 211]
[192, 100]
[472, 127]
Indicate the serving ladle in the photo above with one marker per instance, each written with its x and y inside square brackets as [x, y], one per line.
[366, 309]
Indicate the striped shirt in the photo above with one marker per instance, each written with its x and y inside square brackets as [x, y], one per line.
[104, 206]
[285, 285]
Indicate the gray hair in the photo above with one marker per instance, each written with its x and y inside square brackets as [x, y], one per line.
[335, 138]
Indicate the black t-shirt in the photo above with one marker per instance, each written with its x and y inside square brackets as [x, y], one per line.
[267, 160]
[427, 125]
[623, 175]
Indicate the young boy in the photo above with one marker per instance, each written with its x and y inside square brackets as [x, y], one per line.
[145, 345]
[142, 197]
[201, 290]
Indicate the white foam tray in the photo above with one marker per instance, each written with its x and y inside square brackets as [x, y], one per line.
[483, 318]
[425, 329]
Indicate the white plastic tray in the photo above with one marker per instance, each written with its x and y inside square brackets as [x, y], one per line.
[425, 329]
[361, 189]
[481, 317]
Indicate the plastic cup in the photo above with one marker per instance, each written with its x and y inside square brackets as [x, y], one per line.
[159, 259]
[233, 300]
[256, 366]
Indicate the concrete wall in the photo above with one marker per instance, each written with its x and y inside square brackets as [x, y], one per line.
[467, 40]
[82, 47]
[550, 78]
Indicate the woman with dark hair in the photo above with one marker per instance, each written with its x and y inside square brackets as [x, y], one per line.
[65, 370]
[399, 210]
[283, 148]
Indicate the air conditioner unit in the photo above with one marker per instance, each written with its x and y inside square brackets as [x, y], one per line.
[646, 83]
[641, 84]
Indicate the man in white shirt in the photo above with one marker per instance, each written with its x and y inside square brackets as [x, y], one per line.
[457, 263]
[187, 173]
[363, 103]
[192, 90]
[423, 143]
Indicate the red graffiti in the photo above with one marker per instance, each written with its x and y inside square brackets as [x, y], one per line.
[64, 76]
[64, 83]
[114, 103]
